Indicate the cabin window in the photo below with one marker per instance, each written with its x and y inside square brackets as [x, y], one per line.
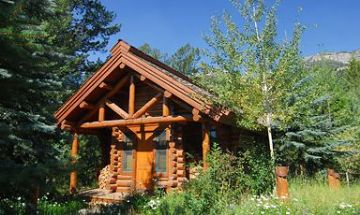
[213, 136]
[161, 152]
[127, 163]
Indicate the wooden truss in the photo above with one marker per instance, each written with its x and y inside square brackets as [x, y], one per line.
[132, 116]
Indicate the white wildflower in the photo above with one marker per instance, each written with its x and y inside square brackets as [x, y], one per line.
[266, 206]
[153, 204]
[287, 213]
[19, 198]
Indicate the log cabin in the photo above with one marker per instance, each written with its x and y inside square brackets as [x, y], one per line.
[147, 117]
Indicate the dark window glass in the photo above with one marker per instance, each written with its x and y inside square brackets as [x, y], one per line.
[213, 136]
[127, 163]
[161, 151]
[161, 160]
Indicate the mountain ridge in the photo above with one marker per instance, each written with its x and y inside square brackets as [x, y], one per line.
[341, 57]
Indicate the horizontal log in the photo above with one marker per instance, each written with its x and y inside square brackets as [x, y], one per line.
[139, 121]
[180, 152]
[126, 183]
[124, 177]
[180, 173]
[172, 145]
[180, 166]
[180, 159]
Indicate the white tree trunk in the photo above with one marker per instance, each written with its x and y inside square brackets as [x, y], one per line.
[271, 144]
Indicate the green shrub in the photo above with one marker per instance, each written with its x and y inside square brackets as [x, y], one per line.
[218, 189]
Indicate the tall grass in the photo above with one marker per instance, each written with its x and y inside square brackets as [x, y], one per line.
[307, 196]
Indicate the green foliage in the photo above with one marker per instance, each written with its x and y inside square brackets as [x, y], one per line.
[311, 136]
[45, 45]
[250, 68]
[228, 179]
[184, 60]
[64, 205]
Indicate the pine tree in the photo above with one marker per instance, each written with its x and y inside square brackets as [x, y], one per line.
[310, 140]
[185, 59]
[41, 53]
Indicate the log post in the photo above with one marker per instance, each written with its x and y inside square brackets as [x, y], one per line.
[333, 179]
[165, 107]
[131, 97]
[74, 154]
[205, 144]
[102, 112]
[282, 189]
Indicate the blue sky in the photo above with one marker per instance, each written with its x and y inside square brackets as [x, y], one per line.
[331, 25]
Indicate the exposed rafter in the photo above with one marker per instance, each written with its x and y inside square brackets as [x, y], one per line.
[115, 89]
[117, 109]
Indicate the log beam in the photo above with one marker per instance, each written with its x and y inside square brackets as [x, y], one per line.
[196, 114]
[131, 97]
[205, 145]
[138, 121]
[66, 125]
[86, 105]
[105, 86]
[102, 112]
[115, 89]
[165, 107]
[167, 94]
[74, 154]
[151, 103]
[117, 109]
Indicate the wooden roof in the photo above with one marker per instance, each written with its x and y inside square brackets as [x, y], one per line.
[125, 56]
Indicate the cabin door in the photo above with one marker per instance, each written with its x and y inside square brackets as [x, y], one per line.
[145, 157]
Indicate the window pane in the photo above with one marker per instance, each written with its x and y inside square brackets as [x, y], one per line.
[127, 160]
[161, 146]
[161, 160]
